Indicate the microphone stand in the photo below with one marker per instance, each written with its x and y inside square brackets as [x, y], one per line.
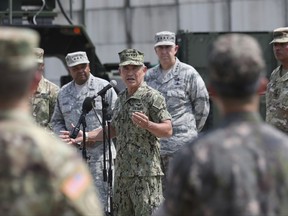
[110, 171]
[104, 115]
[104, 119]
[84, 151]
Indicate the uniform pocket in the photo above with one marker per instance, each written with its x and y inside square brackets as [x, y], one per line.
[175, 99]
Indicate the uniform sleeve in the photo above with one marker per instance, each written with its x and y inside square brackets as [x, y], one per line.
[77, 187]
[57, 121]
[52, 102]
[269, 95]
[159, 111]
[117, 103]
[71, 175]
[200, 100]
[111, 98]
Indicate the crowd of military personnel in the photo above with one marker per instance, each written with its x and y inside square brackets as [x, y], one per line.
[162, 164]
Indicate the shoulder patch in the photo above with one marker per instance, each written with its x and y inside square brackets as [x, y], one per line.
[158, 102]
[73, 186]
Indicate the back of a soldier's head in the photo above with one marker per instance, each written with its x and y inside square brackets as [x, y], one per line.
[235, 65]
[17, 61]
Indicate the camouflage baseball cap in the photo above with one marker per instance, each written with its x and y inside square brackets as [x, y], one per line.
[164, 38]
[39, 54]
[280, 35]
[76, 58]
[131, 57]
[17, 48]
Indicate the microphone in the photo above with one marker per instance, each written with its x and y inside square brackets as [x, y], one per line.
[112, 83]
[86, 108]
[87, 105]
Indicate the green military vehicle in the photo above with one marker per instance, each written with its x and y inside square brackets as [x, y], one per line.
[194, 49]
[56, 40]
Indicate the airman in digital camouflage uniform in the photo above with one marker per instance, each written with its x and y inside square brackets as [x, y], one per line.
[277, 90]
[140, 117]
[40, 175]
[44, 99]
[240, 167]
[185, 94]
[68, 109]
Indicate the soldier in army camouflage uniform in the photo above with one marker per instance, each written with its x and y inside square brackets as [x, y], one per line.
[185, 93]
[68, 109]
[277, 90]
[40, 175]
[140, 117]
[240, 167]
[44, 99]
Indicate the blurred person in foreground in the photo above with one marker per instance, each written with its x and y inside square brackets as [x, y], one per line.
[40, 175]
[185, 93]
[240, 167]
[140, 118]
[277, 89]
[44, 99]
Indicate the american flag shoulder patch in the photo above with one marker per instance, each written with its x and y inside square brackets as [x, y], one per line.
[74, 185]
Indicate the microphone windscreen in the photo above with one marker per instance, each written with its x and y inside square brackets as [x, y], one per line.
[87, 104]
[113, 83]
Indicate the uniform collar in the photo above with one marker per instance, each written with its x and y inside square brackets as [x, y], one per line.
[90, 85]
[170, 75]
[41, 83]
[138, 94]
[15, 115]
[252, 117]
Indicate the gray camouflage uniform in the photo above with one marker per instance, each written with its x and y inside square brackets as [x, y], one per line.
[68, 110]
[43, 102]
[137, 167]
[187, 101]
[239, 169]
[40, 175]
[277, 100]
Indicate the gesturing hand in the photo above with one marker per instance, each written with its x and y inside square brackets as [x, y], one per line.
[141, 120]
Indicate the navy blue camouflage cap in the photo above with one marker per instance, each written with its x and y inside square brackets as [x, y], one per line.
[17, 48]
[131, 57]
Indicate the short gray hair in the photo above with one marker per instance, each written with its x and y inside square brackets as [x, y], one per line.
[235, 65]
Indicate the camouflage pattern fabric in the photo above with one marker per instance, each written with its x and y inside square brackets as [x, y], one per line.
[238, 169]
[133, 194]
[277, 100]
[138, 151]
[43, 102]
[131, 57]
[68, 110]
[187, 101]
[40, 175]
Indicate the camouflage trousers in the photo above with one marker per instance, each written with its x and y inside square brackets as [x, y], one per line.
[165, 159]
[137, 196]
